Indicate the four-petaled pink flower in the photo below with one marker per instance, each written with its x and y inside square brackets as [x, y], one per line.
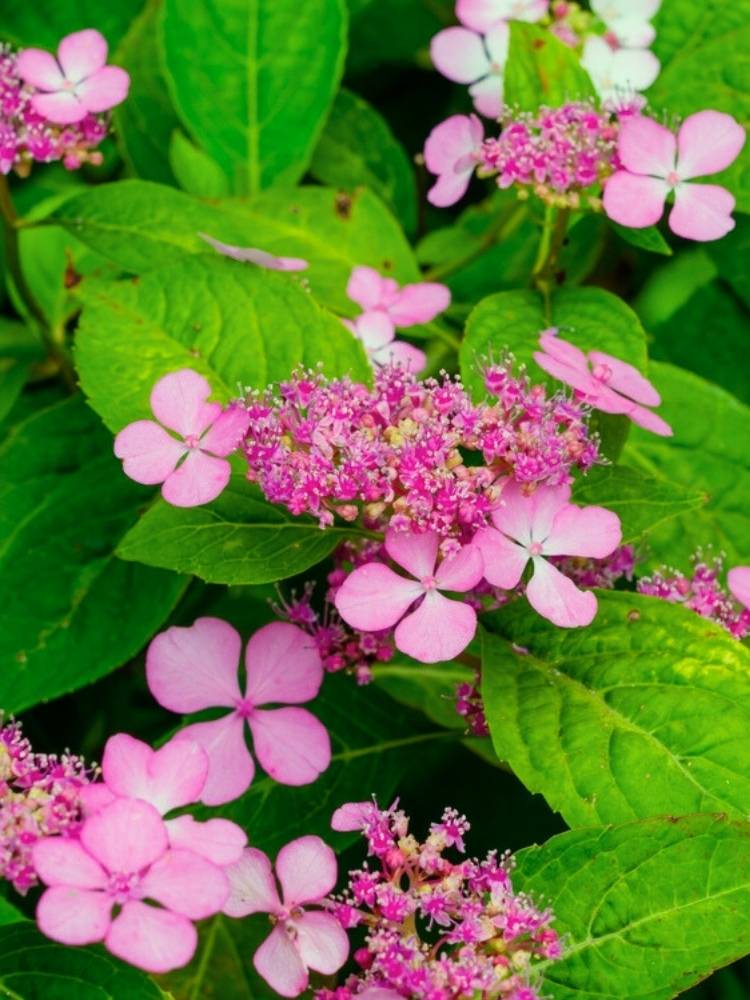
[540, 525]
[628, 21]
[373, 597]
[452, 151]
[302, 938]
[482, 15]
[75, 84]
[251, 255]
[464, 56]
[739, 584]
[193, 470]
[123, 860]
[167, 779]
[656, 163]
[602, 381]
[189, 669]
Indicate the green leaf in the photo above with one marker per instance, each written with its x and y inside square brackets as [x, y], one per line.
[645, 711]
[541, 70]
[649, 239]
[641, 502]
[195, 171]
[19, 348]
[237, 539]
[8, 913]
[588, 317]
[670, 286]
[276, 85]
[647, 909]
[64, 505]
[44, 22]
[237, 324]
[730, 253]
[709, 453]
[358, 147]
[34, 968]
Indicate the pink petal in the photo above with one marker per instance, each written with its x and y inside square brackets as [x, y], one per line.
[82, 54]
[291, 744]
[419, 303]
[504, 561]
[219, 840]
[583, 531]
[40, 69]
[739, 584]
[449, 188]
[373, 597]
[529, 518]
[189, 669]
[497, 43]
[452, 141]
[487, 95]
[399, 352]
[322, 942]
[62, 861]
[627, 379]
[573, 376]
[607, 400]
[438, 630]
[482, 15]
[178, 401]
[252, 886]
[107, 88]
[149, 454]
[230, 766]
[416, 552]
[94, 797]
[352, 816]
[126, 836]
[650, 421]
[152, 939]
[366, 287]
[167, 778]
[632, 32]
[634, 201]
[200, 479]
[645, 147]
[186, 883]
[634, 69]
[557, 598]
[702, 212]
[375, 329]
[462, 571]
[278, 962]
[283, 665]
[226, 433]
[251, 255]
[62, 108]
[73, 916]
[307, 870]
[707, 142]
[564, 351]
[459, 54]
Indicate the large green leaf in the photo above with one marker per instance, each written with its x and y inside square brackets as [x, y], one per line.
[19, 348]
[647, 909]
[69, 611]
[542, 70]
[645, 711]
[237, 324]
[278, 62]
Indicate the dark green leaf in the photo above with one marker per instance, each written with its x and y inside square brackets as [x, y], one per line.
[45, 22]
[649, 239]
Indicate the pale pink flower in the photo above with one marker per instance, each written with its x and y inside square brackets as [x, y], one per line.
[656, 162]
[629, 21]
[482, 15]
[464, 56]
[193, 469]
[452, 151]
[251, 255]
[122, 859]
[167, 779]
[302, 938]
[353, 816]
[540, 525]
[602, 381]
[618, 74]
[739, 584]
[373, 597]
[77, 82]
[189, 669]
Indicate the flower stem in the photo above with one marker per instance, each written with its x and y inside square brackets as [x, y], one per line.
[503, 227]
[551, 243]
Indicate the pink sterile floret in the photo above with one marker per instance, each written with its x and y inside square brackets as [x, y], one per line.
[374, 597]
[194, 469]
[482, 15]
[602, 381]
[656, 162]
[464, 56]
[251, 255]
[122, 860]
[189, 669]
[739, 584]
[541, 525]
[77, 82]
[168, 778]
[302, 938]
[452, 151]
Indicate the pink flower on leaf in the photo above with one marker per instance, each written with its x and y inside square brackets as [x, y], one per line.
[602, 381]
[122, 860]
[192, 469]
[75, 84]
[540, 525]
[739, 584]
[190, 669]
[618, 75]
[251, 255]
[302, 938]
[374, 597]
[464, 56]
[452, 151]
[656, 162]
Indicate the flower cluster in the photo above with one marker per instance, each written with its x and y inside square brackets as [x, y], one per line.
[40, 796]
[52, 109]
[448, 930]
[602, 573]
